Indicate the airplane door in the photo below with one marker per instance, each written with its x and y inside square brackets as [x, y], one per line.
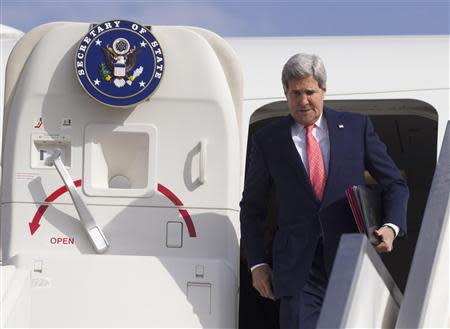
[121, 177]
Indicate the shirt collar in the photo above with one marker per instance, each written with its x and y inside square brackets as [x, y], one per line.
[321, 123]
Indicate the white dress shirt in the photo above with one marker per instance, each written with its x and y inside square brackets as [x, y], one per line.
[320, 133]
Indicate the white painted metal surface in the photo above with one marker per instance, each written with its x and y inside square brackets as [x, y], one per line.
[8, 38]
[361, 293]
[372, 305]
[15, 297]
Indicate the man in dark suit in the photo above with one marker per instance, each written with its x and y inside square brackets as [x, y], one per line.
[310, 157]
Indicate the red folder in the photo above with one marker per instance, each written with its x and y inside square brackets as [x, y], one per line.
[351, 197]
[366, 204]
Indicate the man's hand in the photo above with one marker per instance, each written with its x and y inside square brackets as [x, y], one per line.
[386, 236]
[262, 281]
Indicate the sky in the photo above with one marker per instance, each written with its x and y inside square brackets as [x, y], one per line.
[246, 18]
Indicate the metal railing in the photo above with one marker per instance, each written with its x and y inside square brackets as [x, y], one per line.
[361, 293]
[426, 300]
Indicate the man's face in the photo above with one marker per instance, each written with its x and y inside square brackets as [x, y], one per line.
[305, 100]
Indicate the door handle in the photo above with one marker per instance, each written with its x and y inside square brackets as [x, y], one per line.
[95, 234]
[202, 165]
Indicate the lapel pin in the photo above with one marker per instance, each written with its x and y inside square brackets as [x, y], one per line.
[341, 126]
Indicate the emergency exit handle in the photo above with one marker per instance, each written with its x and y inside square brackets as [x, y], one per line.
[94, 232]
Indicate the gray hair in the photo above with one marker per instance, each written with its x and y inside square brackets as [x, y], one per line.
[301, 66]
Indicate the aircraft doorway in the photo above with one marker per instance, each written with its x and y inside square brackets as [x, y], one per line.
[409, 130]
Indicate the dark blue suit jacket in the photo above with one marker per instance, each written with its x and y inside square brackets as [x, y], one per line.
[302, 219]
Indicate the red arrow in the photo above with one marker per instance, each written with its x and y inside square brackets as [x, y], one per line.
[184, 213]
[33, 227]
[34, 224]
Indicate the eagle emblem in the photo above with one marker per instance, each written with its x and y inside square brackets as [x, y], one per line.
[120, 60]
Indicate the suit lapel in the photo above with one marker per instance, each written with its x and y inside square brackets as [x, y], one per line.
[336, 135]
[293, 158]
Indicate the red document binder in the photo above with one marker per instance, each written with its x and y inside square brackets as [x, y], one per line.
[365, 203]
[351, 197]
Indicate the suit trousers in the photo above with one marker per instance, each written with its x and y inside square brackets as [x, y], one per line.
[302, 310]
